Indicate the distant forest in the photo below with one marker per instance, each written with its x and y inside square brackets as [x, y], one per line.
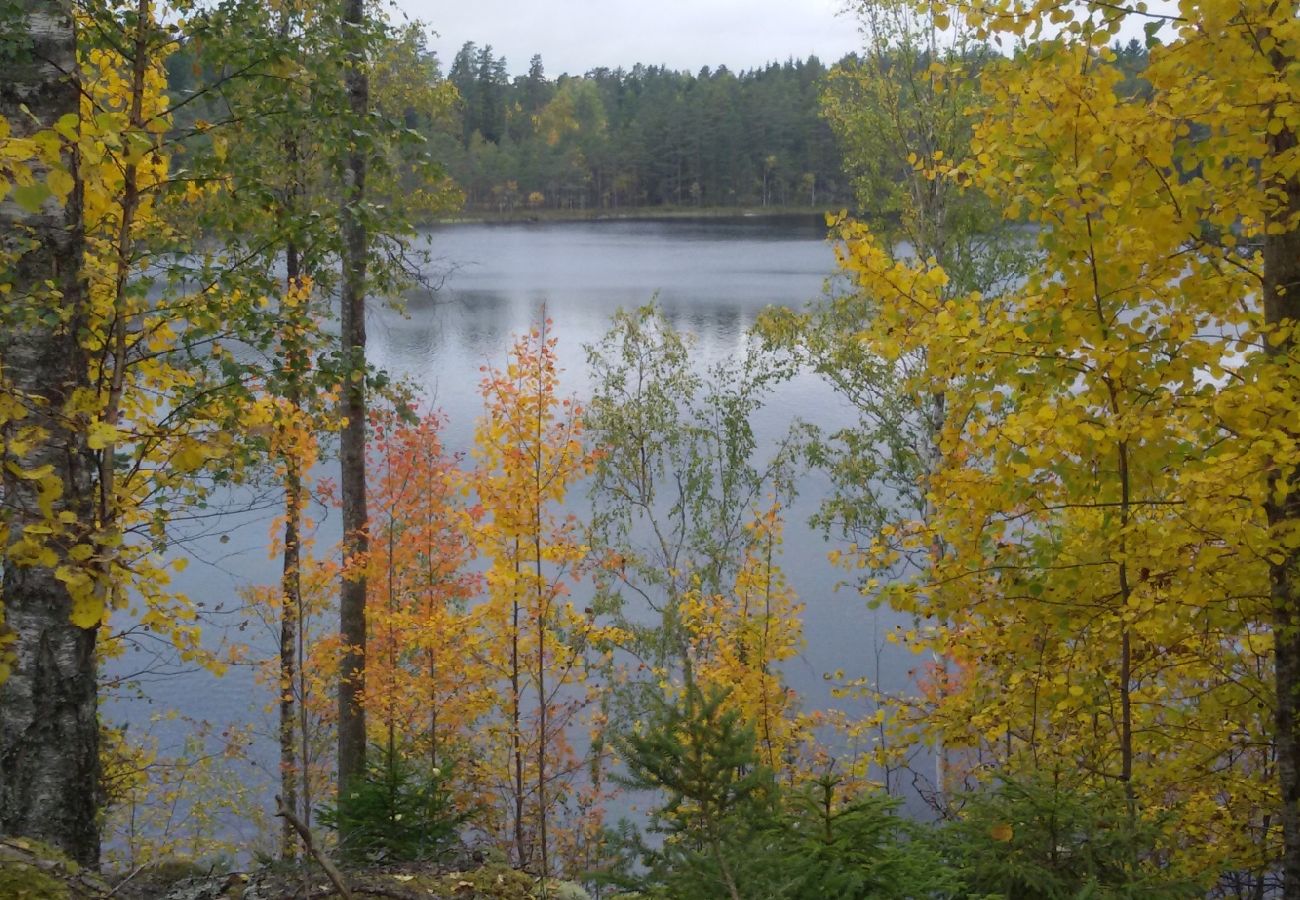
[651, 136]
[645, 136]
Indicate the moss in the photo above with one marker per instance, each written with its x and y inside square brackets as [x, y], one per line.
[24, 881]
[33, 870]
[23, 848]
[496, 882]
[567, 890]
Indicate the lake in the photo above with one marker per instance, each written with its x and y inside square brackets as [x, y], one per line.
[711, 277]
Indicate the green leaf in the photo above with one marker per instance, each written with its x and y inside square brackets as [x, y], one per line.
[67, 126]
[31, 196]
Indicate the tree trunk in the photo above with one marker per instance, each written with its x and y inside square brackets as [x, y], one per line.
[1282, 304]
[291, 598]
[49, 728]
[542, 725]
[352, 441]
[291, 574]
[516, 726]
[542, 617]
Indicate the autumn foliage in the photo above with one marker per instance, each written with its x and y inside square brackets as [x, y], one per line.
[425, 692]
[738, 640]
[1110, 433]
[1070, 344]
[529, 454]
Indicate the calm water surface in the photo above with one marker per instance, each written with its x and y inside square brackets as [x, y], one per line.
[712, 278]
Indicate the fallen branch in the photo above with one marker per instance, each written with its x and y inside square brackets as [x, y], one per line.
[304, 832]
[121, 884]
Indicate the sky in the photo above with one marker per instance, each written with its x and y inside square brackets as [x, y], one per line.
[575, 36]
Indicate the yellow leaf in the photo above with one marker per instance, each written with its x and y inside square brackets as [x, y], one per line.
[100, 435]
[87, 612]
[60, 183]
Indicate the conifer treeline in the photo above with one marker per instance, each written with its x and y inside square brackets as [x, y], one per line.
[645, 136]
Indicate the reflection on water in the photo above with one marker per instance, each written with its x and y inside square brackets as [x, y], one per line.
[711, 277]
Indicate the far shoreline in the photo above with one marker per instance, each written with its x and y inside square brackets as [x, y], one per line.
[632, 213]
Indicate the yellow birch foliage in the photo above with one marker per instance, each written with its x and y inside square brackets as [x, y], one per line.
[738, 641]
[529, 452]
[1102, 597]
[124, 170]
[155, 427]
[178, 803]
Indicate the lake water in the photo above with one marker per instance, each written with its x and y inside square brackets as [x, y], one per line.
[712, 279]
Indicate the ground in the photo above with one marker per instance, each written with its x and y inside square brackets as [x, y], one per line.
[32, 871]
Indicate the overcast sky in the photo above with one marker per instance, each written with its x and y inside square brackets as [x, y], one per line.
[577, 35]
